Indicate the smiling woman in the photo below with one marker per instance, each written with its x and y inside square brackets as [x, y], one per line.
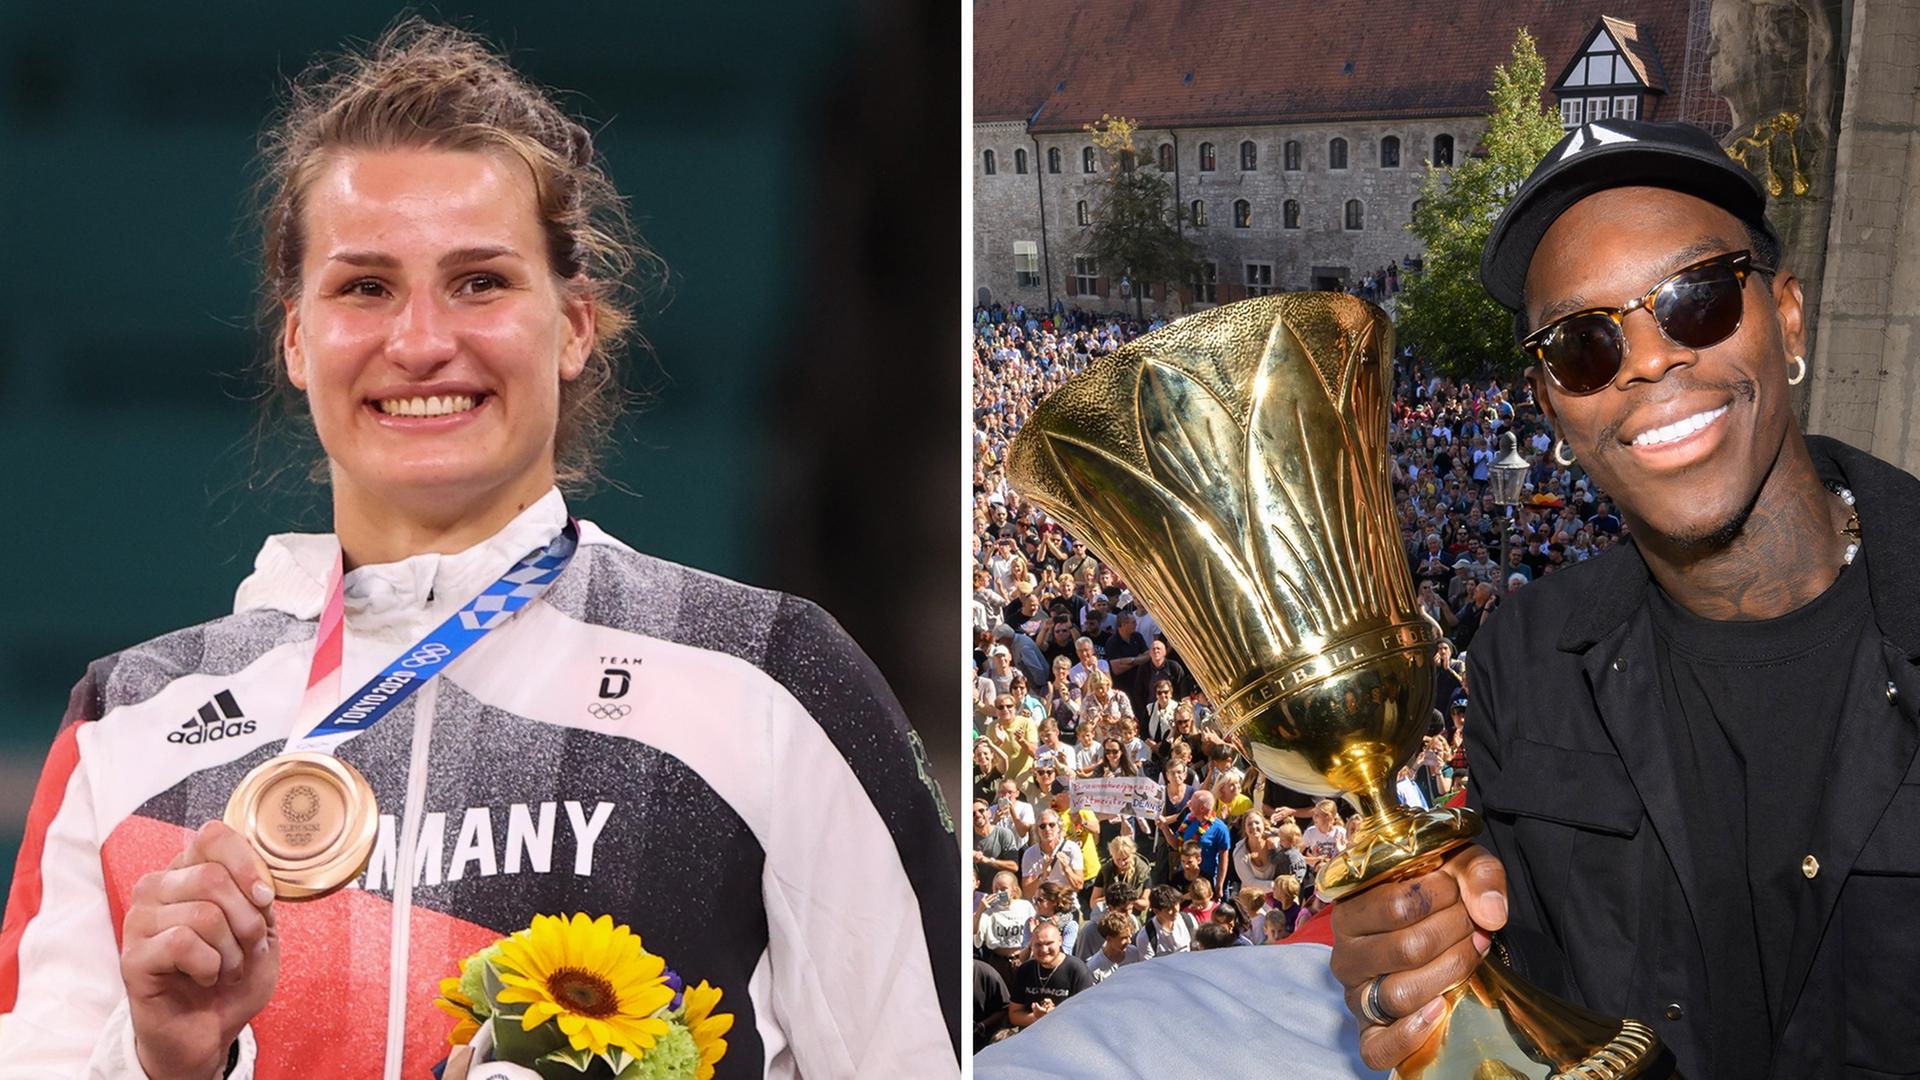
[432, 342]
[399, 714]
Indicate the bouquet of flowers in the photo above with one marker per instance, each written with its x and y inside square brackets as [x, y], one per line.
[580, 999]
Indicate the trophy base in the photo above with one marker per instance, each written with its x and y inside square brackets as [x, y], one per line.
[1496, 1026]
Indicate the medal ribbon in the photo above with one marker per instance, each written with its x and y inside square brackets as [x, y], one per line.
[326, 726]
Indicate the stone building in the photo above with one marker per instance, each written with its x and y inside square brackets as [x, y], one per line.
[1295, 136]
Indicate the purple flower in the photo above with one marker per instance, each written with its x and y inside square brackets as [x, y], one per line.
[679, 987]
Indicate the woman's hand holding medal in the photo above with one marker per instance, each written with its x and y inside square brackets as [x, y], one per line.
[200, 954]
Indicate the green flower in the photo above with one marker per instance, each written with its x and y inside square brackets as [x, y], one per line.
[473, 983]
[673, 1057]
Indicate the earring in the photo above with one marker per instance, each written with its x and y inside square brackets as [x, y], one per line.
[1799, 370]
[1561, 454]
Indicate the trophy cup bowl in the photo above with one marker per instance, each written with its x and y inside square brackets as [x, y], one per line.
[1233, 468]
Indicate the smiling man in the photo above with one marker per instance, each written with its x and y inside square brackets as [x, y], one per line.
[1694, 752]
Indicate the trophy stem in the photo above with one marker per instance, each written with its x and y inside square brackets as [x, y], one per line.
[1394, 843]
[1375, 801]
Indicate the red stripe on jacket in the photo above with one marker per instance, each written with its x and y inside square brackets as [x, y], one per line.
[328, 1014]
[23, 902]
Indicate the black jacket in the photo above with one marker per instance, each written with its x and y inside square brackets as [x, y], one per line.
[1588, 802]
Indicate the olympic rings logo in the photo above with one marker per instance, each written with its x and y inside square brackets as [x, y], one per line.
[600, 710]
[431, 653]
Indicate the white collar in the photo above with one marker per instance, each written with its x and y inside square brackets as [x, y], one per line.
[292, 570]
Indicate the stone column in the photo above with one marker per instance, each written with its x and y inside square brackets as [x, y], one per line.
[1865, 384]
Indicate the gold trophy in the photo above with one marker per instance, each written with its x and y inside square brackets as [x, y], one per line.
[1233, 467]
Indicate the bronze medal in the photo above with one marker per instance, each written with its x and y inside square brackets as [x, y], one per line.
[312, 818]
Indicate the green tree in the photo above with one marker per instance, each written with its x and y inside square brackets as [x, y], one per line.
[1132, 232]
[1443, 312]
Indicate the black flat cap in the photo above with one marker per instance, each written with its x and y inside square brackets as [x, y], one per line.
[1609, 154]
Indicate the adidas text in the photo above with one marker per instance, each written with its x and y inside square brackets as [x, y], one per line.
[195, 733]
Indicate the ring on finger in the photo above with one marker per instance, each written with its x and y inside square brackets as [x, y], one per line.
[1370, 1006]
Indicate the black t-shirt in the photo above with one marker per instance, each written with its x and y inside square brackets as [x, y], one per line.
[985, 785]
[1120, 648]
[1534, 561]
[1141, 679]
[1760, 702]
[1278, 795]
[1069, 723]
[990, 1000]
[1055, 647]
[1030, 983]
[1445, 685]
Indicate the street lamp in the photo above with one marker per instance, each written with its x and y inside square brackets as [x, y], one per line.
[1505, 477]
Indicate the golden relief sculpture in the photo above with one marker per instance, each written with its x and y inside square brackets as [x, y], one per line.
[1762, 142]
[1233, 467]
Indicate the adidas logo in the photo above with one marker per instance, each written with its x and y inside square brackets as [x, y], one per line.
[218, 719]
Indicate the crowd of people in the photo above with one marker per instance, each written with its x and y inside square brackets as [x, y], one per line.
[1071, 680]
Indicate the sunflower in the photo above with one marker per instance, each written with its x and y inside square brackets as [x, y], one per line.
[707, 1026]
[457, 1005]
[591, 977]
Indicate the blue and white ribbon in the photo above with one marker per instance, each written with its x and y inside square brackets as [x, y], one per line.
[429, 656]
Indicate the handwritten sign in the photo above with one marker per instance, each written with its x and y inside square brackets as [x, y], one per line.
[1132, 796]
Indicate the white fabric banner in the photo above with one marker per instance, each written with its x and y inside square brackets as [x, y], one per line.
[1133, 796]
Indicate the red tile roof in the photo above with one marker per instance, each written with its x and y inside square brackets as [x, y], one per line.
[1633, 45]
[1063, 63]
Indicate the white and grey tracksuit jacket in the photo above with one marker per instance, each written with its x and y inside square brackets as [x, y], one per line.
[719, 767]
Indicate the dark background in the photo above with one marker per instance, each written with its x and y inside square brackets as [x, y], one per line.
[792, 164]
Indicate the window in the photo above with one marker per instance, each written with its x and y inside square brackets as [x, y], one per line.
[1086, 276]
[1290, 156]
[1356, 214]
[1259, 279]
[1080, 214]
[1337, 154]
[1087, 161]
[1599, 108]
[1020, 162]
[1206, 157]
[1126, 161]
[1573, 113]
[1414, 211]
[1242, 214]
[1026, 264]
[1166, 157]
[1390, 152]
[1053, 159]
[1443, 150]
[986, 161]
[1249, 156]
[1205, 283]
[1290, 215]
[1626, 108]
[1199, 213]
